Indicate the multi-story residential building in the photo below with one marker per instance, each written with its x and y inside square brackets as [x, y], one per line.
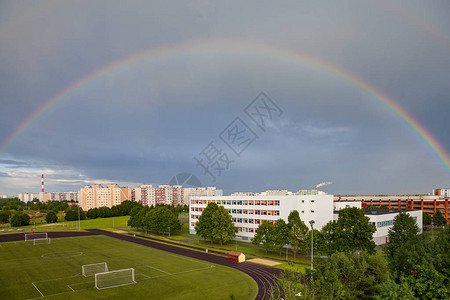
[441, 192]
[163, 194]
[95, 196]
[198, 191]
[28, 197]
[144, 194]
[249, 211]
[65, 196]
[425, 203]
[3, 196]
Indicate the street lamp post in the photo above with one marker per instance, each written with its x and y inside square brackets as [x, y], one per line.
[79, 223]
[312, 243]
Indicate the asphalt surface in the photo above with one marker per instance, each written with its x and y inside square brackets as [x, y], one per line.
[263, 275]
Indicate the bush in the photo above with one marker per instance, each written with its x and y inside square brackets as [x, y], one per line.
[20, 219]
[51, 217]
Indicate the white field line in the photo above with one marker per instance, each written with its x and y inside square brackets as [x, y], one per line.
[116, 285]
[188, 271]
[157, 269]
[135, 275]
[37, 289]
[58, 278]
[74, 291]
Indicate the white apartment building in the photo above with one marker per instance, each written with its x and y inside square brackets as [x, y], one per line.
[249, 211]
[65, 196]
[28, 197]
[197, 191]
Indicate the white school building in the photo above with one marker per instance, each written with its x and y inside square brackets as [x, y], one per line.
[249, 211]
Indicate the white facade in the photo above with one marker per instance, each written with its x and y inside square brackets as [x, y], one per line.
[28, 197]
[249, 211]
[197, 191]
[383, 219]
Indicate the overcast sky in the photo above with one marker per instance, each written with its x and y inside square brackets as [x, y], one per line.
[182, 103]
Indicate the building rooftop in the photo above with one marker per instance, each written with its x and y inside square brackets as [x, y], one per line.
[380, 211]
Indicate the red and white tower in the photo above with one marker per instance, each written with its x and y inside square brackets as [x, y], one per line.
[42, 182]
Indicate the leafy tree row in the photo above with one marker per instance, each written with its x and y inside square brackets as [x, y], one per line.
[162, 218]
[277, 235]
[351, 232]
[438, 219]
[415, 267]
[420, 261]
[20, 219]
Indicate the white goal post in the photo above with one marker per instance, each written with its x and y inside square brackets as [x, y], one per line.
[37, 235]
[42, 241]
[92, 269]
[114, 278]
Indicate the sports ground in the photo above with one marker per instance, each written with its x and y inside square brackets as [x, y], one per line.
[54, 270]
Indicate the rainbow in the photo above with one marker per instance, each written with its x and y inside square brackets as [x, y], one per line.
[238, 48]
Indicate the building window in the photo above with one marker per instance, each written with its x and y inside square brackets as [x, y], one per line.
[312, 211]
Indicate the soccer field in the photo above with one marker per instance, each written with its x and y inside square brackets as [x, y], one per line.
[54, 271]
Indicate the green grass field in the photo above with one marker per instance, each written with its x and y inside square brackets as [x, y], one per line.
[54, 271]
[89, 224]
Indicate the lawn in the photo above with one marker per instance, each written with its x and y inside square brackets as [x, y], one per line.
[54, 271]
[89, 224]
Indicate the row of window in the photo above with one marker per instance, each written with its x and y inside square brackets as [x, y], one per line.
[385, 223]
[239, 202]
[242, 229]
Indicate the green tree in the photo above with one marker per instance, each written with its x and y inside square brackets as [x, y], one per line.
[71, 213]
[223, 228]
[425, 252]
[92, 213]
[428, 284]
[439, 219]
[204, 226]
[403, 230]
[25, 219]
[51, 217]
[280, 234]
[346, 276]
[426, 218]
[349, 233]
[263, 235]
[390, 290]
[162, 219]
[127, 206]
[4, 216]
[16, 220]
[297, 231]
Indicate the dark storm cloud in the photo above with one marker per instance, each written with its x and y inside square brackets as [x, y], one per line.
[145, 121]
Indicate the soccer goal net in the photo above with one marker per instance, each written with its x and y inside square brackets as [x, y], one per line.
[38, 235]
[42, 241]
[114, 278]
[92, 269]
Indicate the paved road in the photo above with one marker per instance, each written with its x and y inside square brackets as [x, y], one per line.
[263, 275]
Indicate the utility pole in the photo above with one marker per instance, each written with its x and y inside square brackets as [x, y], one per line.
[312, 243]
